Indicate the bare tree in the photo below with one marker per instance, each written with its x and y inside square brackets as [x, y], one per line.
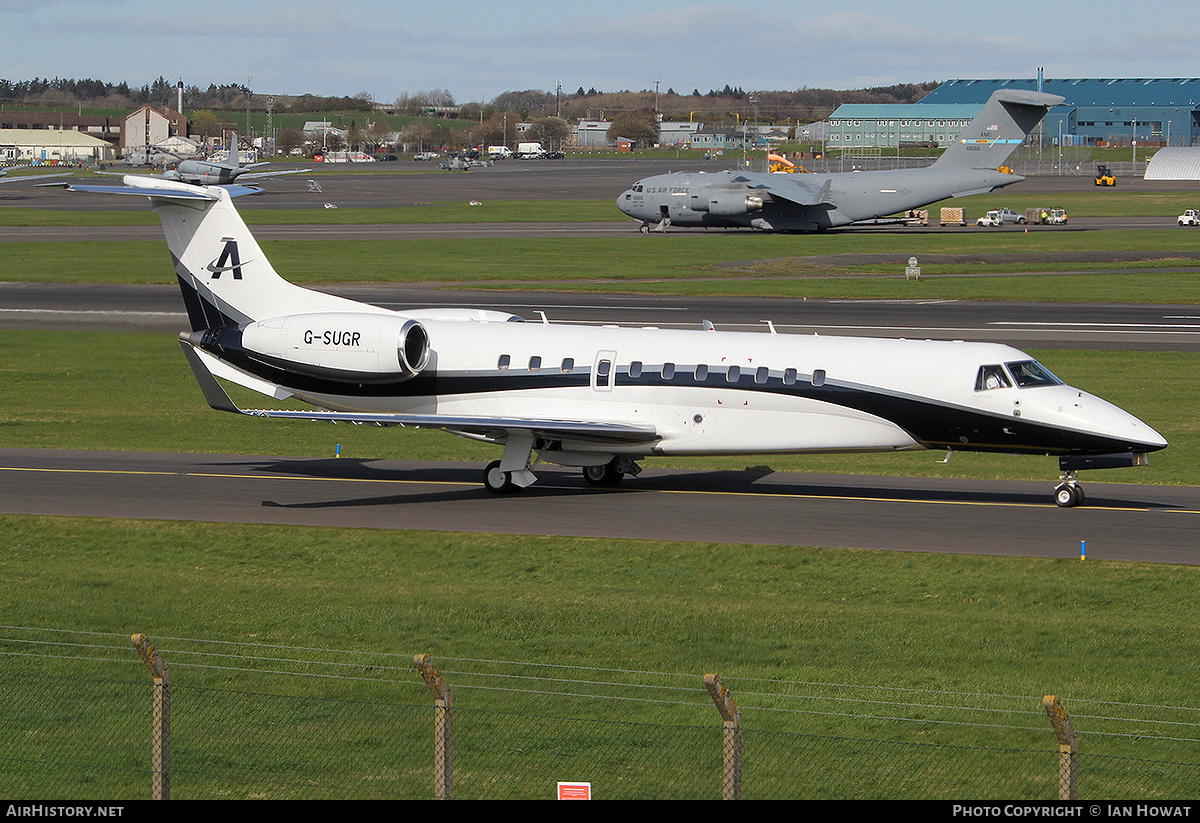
[288, 139]
[553, 131]
[639, 126]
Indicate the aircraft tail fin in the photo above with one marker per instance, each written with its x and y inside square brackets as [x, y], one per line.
[225, 277]
[233, 161]
[1000, 127]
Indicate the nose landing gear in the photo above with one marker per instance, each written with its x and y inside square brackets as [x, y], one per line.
[1069, 492]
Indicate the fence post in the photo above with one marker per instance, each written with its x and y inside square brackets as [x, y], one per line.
[160, 756]
[443, 746]
[1067, 746]
[731, 716]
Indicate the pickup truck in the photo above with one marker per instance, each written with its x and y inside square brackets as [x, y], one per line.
[998, 217]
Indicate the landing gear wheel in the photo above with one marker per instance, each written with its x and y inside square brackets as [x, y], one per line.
[1068, 495]
[496, 481]
[606, 475]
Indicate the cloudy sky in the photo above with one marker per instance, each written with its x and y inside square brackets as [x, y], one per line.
[477, 50]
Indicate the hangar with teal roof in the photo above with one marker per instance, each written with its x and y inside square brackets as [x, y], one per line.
[1154, 111]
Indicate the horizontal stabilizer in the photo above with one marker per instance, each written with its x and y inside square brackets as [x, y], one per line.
[141, 186]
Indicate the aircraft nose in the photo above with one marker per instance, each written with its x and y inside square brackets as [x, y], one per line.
[1112, 422]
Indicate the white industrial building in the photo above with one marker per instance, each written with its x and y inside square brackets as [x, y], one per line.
[52, 146]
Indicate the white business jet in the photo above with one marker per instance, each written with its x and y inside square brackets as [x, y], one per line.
[603, 398]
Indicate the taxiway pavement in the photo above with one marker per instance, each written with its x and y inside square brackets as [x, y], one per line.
[1120, 522]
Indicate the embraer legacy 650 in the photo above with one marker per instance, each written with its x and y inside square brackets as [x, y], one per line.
[973, 164]
[602, 398]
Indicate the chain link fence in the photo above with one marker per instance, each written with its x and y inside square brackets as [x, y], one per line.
[270, 723]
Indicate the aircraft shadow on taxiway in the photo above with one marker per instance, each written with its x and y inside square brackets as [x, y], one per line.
[761, 481]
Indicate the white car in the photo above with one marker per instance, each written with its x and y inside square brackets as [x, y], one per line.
[1190, 218]
[998, 217]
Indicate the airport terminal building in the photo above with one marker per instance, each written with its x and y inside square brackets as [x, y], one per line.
[1095, 112]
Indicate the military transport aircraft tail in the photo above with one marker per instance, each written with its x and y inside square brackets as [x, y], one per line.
[1000, 127]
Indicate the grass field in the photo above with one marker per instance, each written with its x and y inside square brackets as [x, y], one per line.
[795, 632]
[1149, 266]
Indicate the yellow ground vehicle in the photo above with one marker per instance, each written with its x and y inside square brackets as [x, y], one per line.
[1104, 177]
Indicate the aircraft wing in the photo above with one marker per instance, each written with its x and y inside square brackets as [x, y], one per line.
[271, 173]
[489, 427]
[34, 177]
[791, 187]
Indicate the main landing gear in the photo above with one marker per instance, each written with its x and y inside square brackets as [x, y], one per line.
[498, 481]
[610, 473]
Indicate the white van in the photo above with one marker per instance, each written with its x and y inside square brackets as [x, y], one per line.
[499, 151]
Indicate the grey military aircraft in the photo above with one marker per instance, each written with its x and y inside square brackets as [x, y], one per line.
[153, 156]
[217, 173]
[813, 202]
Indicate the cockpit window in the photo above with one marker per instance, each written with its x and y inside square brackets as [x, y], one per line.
[1030, 373]
[992, 377]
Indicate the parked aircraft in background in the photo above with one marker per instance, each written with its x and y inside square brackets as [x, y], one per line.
[210, 172]
[152, 156]
[603, 398]
[812, 202]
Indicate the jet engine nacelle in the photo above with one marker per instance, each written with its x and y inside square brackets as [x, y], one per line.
[728, 203]
[346, 347]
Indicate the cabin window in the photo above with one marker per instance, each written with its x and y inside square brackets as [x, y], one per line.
[1030, 373]
[818, 377]
[503, 363]
[635, 369]
[668, 371]
[734, 374]
[535, 363]
[761, 375]
[789, 377]
[568, 365]
[701, 372]
[992, 377]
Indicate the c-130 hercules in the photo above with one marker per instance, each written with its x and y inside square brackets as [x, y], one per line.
[974, 164]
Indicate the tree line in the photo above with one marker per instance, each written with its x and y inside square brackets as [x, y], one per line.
[162, 92]
[716, 106]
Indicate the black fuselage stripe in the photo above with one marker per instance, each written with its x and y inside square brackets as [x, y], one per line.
[932, 424]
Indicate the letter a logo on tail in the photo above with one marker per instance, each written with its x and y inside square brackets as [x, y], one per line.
[228, 255]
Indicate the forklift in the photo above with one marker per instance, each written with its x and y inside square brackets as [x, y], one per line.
[1104, 177]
